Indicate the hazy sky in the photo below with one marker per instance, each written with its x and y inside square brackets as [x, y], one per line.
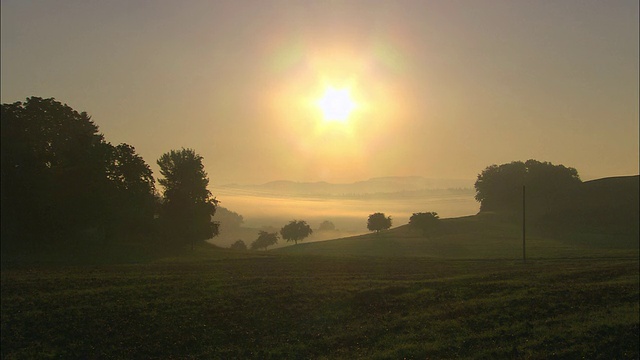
[442, 88]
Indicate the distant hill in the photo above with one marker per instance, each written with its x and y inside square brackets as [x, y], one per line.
[382, 185]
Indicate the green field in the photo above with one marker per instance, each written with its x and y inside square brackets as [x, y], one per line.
[221, 304]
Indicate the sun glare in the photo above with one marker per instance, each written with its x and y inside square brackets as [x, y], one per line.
[336, 104]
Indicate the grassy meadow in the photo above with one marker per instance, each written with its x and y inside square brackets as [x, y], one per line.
[214, 303]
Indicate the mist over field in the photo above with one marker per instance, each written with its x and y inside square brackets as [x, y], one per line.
[356, 179]
[272, 205]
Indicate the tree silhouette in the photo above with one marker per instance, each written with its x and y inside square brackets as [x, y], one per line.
[326, 226]
[187, 206]
[132, 198]
[229, 220]
[425, 221]
[264, 240]
[378, 221]
[239, 245]
[499, 187]
[62, 183]
[52, 183]
[295, 231]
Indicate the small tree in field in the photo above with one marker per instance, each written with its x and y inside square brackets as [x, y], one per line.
[378, 221]
[326, 226]
[238, 245]
[426, 221]
[295, 230]
[264, 240]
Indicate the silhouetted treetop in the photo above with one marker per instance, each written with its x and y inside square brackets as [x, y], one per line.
[295, 231]
[326, 226]
[428, 222]
[61, 181]
[378, 221]
[264, 240]
[184, 175]
[129, 171]
[499, 187]
[187, 208]
[238, 245]
[228, 219]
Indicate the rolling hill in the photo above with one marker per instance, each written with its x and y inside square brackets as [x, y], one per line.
[601, 219]
[375, 186]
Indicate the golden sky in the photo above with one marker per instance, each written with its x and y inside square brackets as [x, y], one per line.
[439, 89]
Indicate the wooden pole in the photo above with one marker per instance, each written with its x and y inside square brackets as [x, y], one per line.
[524, 254]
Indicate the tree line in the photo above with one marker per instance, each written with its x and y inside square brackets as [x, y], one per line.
[294, 231]
[64, 185]
[298, 230]
[499, 187]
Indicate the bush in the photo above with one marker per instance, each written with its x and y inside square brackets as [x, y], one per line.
[428, 222]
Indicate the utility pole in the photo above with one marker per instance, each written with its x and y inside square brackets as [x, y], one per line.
[524, 254]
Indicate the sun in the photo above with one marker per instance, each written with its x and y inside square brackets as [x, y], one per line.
[336, 104]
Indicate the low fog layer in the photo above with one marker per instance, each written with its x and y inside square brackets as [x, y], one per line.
[270, 206]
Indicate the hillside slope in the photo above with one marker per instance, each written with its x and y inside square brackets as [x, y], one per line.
[481, 236]
[612, 203]
[601, 218]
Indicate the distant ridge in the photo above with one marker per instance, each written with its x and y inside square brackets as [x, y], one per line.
[378, 185]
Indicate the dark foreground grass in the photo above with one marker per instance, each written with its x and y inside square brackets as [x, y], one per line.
[320, 307]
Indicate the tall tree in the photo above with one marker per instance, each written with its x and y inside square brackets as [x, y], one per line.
[188, 206]
[61, 181]
[295, 231]
[378, 221]
[132, 197]
[52, 171]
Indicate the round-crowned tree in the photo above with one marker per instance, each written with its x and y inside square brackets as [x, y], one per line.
[264, 240]
[238, 245]
[499, 187]
[378, 221]
[296, 231]
[428, 222]
[326, 226]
